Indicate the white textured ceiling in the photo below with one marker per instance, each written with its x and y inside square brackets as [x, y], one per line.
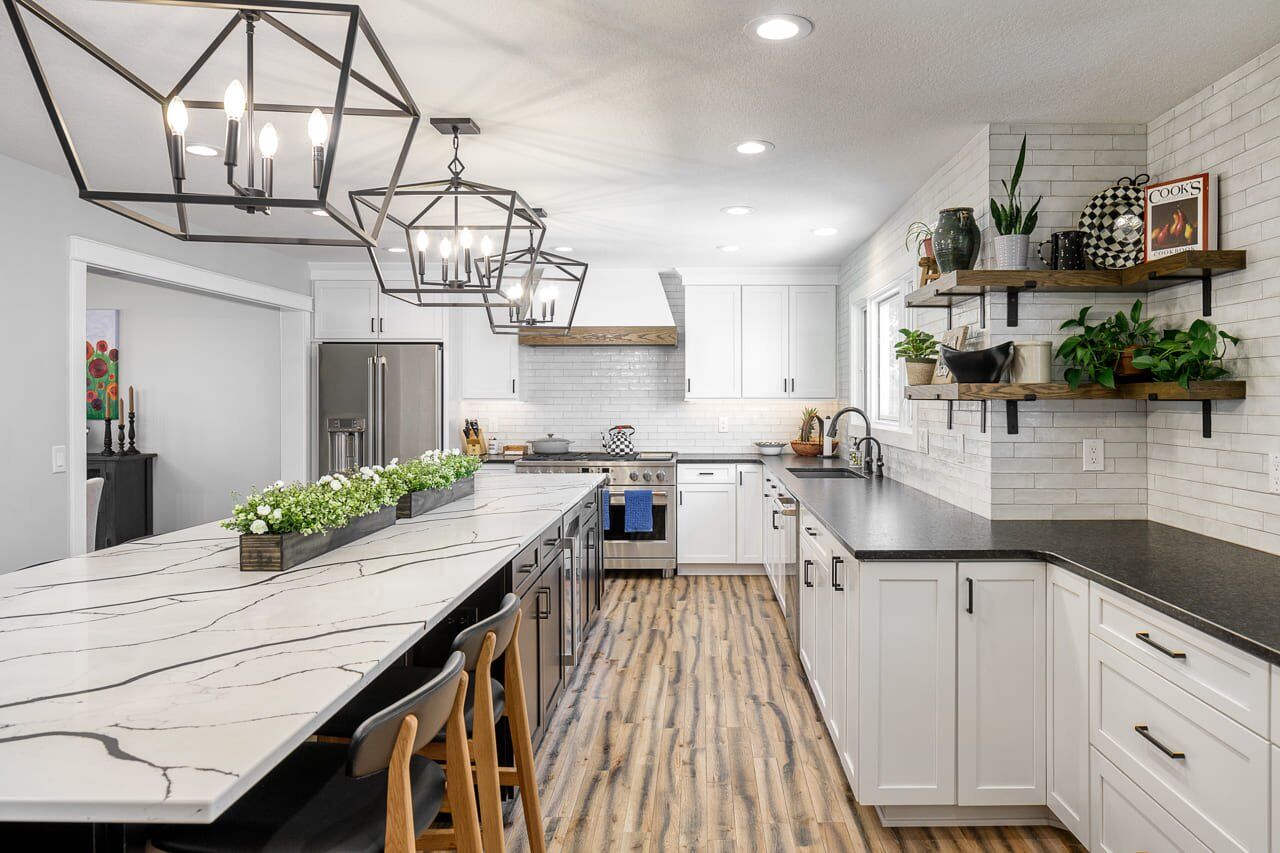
[621, 117]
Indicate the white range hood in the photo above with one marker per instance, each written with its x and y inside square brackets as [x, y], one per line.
[619, 306]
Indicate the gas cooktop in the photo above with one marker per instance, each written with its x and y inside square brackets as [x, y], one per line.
[599, 457]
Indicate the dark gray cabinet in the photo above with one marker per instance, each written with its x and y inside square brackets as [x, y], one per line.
[551, 616]
[127, 509]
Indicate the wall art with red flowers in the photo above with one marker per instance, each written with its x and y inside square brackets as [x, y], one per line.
[102, 363]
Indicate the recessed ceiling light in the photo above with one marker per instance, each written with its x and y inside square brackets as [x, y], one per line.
[399, 250]
[563, 249]
[728, 248]
[780, 27]
[754, 146]
[201, 150]
[826, 231]
[737, 210]
[319, 211]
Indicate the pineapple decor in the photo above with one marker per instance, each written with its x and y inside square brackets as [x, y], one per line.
[809, 444]
[807, 417]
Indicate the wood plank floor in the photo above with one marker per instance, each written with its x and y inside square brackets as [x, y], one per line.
[690, 728]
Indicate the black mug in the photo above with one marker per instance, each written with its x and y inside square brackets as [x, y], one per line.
[1066, 251]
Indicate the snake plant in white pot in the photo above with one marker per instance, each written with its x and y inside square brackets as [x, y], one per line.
[1013, 226]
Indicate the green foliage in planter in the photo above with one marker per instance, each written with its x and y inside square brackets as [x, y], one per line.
[332, 501]
[1094, 351]
[1187, 355]
[917, 233]
[1009, 218]
[916, 345]
[807, 418]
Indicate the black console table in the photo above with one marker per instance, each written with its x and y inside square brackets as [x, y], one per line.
[128, 497]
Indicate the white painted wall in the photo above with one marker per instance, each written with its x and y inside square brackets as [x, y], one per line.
[207, 373]
[34, 233]
[613, 296]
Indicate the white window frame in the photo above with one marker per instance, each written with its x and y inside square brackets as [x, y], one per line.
[873, 350]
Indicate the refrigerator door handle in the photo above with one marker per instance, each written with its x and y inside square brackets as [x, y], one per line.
[371, 428]
[382, 410]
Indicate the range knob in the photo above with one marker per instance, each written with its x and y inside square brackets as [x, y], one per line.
[647, 476]
[661, 475]
[634, 476]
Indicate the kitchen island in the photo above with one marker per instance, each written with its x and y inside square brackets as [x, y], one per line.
[156, 682]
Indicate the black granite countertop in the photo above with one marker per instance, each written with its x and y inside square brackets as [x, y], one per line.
[745, 458]
[1226, 590]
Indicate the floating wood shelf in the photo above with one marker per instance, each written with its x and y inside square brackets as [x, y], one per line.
[960, 285]
[604, 336]
[1013, 393]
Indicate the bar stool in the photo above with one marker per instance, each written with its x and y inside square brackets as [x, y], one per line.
[487, 702]
[331, 797]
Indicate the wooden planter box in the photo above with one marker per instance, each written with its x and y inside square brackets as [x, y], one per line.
[275, 552]
[416, 503]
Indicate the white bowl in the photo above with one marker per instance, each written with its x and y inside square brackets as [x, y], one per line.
[770, 448]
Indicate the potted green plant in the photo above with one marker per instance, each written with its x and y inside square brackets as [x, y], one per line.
[919, 239]
[920, 351]
[1105, 352]
[1187, 355]
[1013, 226]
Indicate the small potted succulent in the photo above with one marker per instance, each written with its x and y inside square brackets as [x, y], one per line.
[920, 351]
[1187, 355]
[919, 239]
[1014, 226]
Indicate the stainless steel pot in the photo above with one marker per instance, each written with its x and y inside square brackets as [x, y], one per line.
[550, 444]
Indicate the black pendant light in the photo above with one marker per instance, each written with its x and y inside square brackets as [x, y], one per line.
[252, 141]
[456, 233]
[538, 291]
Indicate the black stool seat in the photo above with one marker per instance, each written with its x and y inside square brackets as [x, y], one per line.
[392, 686]
[309, 803]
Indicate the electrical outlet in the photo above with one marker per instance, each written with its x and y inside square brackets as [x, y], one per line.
[922, 441]
[1093, 454]
[59, 459]
[1273, 472]
[724, 424]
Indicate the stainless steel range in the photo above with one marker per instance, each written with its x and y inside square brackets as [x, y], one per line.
[654, 471]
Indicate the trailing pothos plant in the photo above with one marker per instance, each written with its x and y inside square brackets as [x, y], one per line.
[1187, 355]
[1009, 218]
[916, 346]
[1095, 351]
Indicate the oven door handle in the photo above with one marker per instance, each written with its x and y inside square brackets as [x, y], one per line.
[659, 499]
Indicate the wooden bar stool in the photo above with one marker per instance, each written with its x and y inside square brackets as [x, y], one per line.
[488, 701]
[331, 797]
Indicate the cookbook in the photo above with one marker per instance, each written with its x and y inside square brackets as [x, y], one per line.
[1180, 216]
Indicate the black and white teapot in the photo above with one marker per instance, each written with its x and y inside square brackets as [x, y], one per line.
[617, 442]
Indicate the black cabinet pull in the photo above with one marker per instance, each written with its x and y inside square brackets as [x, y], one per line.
[513, 386]
[549, 542]
[810, 531]
[774, 521]
[969, 609]
[706, 473]
[381, 325]
[1146, 638]
[739, 478]
[1176, 756]
[807, 564]
[540, 614]
[372, 325]
[793, 385]
[527, 567]
[836, 562]
[784, 385]
[688, 384]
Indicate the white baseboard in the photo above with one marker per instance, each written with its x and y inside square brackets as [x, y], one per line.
[720, 569]
[967, 816]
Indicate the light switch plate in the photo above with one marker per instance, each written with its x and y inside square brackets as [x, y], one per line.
[1273, 472]
[922, 440]
[724, 424]
[1093, 454]
[59, 459]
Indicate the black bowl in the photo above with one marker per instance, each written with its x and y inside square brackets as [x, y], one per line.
[982, 365]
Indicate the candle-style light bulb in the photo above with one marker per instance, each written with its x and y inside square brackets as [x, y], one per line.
[175, 115]
[268, 141]
[548, 295]
[233, 104]
[464, 239]
[420, 241]
[486, 246]
[234, 101]
[446, 248]
[318, 130]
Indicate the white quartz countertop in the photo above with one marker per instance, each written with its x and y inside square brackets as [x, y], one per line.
[156, 682]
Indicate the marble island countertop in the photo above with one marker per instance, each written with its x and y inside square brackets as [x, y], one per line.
[155, 681]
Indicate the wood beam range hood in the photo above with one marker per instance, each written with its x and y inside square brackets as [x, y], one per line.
[621, 307]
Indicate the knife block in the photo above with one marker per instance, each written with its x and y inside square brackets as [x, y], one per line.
[474, 444]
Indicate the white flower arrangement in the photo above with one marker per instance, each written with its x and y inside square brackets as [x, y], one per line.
[335, 499]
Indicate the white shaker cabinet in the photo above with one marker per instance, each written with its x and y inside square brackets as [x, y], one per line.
[488, 363]
[1000, 687]
[808, 606]
[708, 523]
[907, 695]
[765, 358]
[812, 342]
[1067, 699]
[402, 321]
[713, 327]
[345, 310]
[750, 523]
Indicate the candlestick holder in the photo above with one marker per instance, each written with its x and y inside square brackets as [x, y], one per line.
[106, 438]
[133, 450]
[120, 435]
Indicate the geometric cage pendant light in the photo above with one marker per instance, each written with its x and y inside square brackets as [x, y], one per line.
[449, 231]
[279, 154]
[539, 292]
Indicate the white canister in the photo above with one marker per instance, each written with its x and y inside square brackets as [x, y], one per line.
[1031, 361]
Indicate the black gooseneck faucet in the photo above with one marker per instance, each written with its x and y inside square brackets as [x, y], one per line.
[833, 426]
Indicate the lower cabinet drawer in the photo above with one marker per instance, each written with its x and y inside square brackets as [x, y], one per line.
[1126, 820]
[1196, 762]
[689, 474]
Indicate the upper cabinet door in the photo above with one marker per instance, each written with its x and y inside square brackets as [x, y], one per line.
[489, 363]
[711, 350]
[345, 310]
[399, 320]
[812, 342]
[764, 342]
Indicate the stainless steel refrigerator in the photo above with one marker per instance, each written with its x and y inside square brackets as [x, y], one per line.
[378, 402]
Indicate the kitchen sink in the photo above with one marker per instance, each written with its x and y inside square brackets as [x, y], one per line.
[827, 473]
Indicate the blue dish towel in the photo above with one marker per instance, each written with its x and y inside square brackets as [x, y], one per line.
[604, 516]
[638, 517]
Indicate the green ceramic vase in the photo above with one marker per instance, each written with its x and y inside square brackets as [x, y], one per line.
[956, 239]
